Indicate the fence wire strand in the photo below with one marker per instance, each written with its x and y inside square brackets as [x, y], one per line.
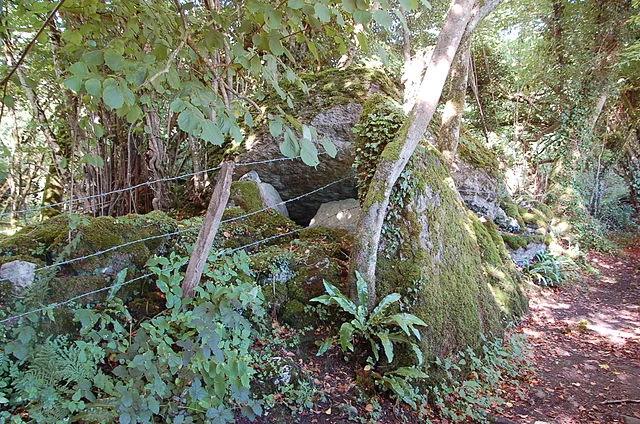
[223, 252]
[146, 183]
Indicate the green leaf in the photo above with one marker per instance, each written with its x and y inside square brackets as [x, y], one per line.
[383, 305]
[211, 133]
[275, 45]
[349, 6]
[178, 105]
[9, 101]
[248, 119]
[295, 4]
[411, 372]
[112, 95]
[79, 69]
[362, 288]
[346, 335]
[94, 160]
[383, 18]
[288, 148]
[309, 152]
[409, 4]
[387, 345]
[329, 147]
[418, 352]
[275, 128]
[73, 83]
[322, 12]
[362, 17]
[325, 346]
[94, 58]
[188, 121]
[93, 87]
[114, 60]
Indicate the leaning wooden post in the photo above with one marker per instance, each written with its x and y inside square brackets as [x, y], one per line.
[208, 231]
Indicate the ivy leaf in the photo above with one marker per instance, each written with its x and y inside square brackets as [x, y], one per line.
[93, 87]
[309, 152]
[112, 96]
[73, 83]
[322, 12]
[211, 133]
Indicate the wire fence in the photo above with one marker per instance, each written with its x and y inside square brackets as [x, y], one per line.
[151, 274]
[230, 251]
[136, 186]
[183, 231]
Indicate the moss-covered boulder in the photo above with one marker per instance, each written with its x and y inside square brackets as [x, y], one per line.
[95, 250]
[292, 273]
[452, 269]
[333, 105]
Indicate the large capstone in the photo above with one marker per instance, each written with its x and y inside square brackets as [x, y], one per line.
[333, 106]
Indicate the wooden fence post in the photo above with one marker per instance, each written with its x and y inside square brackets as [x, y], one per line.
[200, 254]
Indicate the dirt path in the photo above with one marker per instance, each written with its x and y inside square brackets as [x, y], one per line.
[586, 343]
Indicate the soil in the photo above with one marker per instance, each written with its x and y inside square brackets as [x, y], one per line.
[585, 339]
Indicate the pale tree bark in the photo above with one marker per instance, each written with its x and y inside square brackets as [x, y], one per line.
[449, 133]
[460, 21]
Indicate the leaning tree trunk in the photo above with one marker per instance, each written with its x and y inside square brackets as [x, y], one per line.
[462, 18]
[449, 133]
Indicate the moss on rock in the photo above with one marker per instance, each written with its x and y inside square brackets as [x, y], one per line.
[442, 265]
[512, 210]
[516, 241]
[475, 153]
[246, 195]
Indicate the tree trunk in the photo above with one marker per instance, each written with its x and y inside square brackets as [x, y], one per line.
[155, 160]
[397, 153]
[449, 134]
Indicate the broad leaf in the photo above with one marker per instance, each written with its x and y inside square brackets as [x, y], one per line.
[73, 83]
[112, 95]
[325, 346]
[387, 345]
[211, 133]
[346, 335]
[412, 372]
[322, 12]
[93, 87]
[329, 147]
[309, 152]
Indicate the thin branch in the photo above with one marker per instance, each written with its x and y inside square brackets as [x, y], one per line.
[618, 401]
[15, 67]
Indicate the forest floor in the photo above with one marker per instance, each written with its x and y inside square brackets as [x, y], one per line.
[585, 341]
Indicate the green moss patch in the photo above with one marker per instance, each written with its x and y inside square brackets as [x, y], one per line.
[442, 264]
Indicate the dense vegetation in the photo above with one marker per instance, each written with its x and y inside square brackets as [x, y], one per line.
[114, 116]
